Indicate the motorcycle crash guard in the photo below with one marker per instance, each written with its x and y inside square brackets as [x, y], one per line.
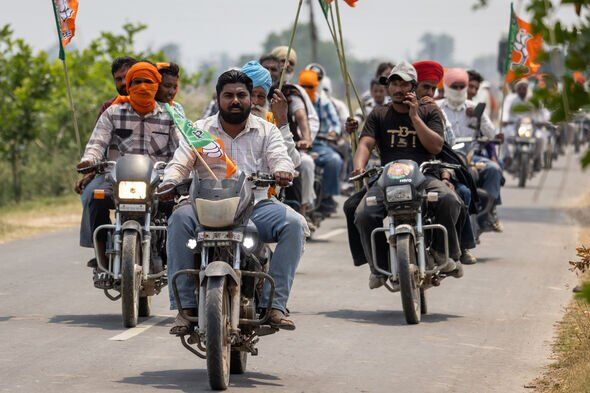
[219, 269]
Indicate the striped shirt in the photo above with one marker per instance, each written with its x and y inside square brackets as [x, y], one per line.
[120, 130]
[258, 148]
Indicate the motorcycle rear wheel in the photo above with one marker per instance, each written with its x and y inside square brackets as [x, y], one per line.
[130, 278]
[408, 279]
[217, 309]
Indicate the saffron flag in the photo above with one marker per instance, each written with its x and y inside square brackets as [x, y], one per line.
[523, 48]
[65, 17]
[200, 140]
[325, 5]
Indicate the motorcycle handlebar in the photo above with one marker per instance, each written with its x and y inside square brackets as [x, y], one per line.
[98, 167]
[370, 173]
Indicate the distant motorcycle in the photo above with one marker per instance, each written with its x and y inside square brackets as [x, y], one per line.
[230, 275]
[410, 272]
[136, 242]
[524, 152]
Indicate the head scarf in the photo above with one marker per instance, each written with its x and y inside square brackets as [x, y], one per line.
[259, 75]
[141, 96]
[308, 79]
[455, 98]
[429, 71]
[281, 53]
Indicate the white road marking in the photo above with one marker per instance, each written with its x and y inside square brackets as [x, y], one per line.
[330, 234]
[489, 347]
[140, 328]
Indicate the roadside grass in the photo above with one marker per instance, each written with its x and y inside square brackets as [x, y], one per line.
[41, 215]
[570, 373]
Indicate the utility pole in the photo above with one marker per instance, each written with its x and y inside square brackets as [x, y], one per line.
[313, 33]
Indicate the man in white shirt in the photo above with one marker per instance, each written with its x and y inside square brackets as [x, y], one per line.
[458, 110]
[255, 145]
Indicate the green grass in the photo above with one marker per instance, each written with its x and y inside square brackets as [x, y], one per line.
[39, 215]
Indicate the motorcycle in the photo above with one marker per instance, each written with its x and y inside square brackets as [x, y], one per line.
[410, 271]
[230, 275]
[136, 242]
[581, 129]
[524, 151]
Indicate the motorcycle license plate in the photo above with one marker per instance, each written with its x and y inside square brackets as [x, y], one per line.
[128, 207]
[220, 236]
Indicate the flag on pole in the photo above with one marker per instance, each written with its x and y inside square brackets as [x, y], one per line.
[523, 48]
[325, 5]
[65, 18]
[201, 140]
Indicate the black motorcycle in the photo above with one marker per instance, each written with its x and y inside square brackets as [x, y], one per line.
[136, 242]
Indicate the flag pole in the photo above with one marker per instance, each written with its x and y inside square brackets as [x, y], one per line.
[62, 56]
[207, 167]
[284, 71]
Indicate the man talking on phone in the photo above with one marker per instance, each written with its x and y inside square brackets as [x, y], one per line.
[405, 130]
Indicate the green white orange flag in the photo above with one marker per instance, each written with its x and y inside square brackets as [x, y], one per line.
[325, 5]
[200, 140]
[523, 49]
[65, 17]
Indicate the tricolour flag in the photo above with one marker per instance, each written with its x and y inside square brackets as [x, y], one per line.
[325, 5]
[65, 17]
[200, 140]
[523, 48]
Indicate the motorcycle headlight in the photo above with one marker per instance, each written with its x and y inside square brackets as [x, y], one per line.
[525, 131]
[249, 242]
[132, 190]
[399, 193]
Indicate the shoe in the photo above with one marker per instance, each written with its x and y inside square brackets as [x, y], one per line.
[92, 263]
[445, 265]
[458, 272]
[376, 281]
[467, 258]
[278, 319]
[498, 227]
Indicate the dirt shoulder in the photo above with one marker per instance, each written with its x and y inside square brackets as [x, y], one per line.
[18, 221]
[570, 371]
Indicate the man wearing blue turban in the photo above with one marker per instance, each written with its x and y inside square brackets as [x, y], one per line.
[262, 83]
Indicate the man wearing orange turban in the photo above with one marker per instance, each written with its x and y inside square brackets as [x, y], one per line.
[134, 124]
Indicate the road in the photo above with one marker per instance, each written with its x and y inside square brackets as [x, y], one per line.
[487, 332]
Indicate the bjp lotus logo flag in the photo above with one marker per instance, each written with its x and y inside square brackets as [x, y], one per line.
[65, 18]
[524, 46]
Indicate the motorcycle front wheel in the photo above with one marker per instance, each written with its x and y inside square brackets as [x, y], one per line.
[217, 309]
[409, 278]
[130, 278]
[523, 170]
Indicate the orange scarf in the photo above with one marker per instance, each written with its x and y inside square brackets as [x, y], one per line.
[141, 96]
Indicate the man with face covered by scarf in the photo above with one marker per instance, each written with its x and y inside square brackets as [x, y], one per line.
[134, 124]
[459, 112]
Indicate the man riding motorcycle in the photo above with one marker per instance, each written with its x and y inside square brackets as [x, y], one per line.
[134, 124]
[404, 129]
[255, 145]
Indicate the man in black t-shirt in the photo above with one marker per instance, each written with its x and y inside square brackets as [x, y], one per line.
[407, 130]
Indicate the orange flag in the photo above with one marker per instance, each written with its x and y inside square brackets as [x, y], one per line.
[67, 10]
[524, 47]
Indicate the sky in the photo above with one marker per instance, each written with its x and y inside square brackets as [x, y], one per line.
[384, 29]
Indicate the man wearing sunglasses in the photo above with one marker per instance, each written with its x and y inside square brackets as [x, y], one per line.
[459, 111]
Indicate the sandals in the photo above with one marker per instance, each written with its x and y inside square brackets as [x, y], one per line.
[278, 319]
[181, 327]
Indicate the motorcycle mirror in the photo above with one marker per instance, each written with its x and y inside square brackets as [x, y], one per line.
[479, 109]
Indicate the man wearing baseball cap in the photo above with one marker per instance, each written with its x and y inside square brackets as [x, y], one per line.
[405, 129]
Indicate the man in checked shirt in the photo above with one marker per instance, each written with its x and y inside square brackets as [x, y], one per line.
[134, 124]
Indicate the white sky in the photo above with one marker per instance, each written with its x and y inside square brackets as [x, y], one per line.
[375, 28]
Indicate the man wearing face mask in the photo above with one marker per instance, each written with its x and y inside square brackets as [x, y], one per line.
[255, 145]
[134, 124]
[458, 110]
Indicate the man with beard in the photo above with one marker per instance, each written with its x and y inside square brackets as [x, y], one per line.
[404, 129]
[168, 88]
[457, 109]
[255, 145]
[119, 69]
[134, 124]
[261, 84]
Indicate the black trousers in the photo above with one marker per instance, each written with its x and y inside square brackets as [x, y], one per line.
[362, 220]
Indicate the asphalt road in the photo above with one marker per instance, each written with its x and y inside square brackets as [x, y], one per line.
[487, 332]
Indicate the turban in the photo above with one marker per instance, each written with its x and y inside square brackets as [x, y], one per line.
[141, 96]
[281, 53]
[259, 75]
[308, 79]
[454, 75]
[523, 81]
[429, 71]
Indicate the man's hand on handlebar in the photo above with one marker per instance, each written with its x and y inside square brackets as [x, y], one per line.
[84, 166]
[500, 137]
[304, 144]
[83, 182]
[283, 178]
[357, 171]
[166, 192]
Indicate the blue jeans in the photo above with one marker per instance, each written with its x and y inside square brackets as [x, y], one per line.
[490, 178]
[95, 212]
[467, 235]
[331, 162]
[275, 223]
